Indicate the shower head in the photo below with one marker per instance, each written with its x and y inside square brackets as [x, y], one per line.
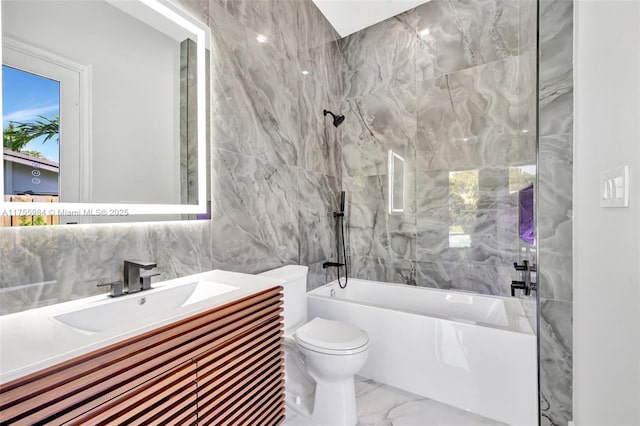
[337, 119]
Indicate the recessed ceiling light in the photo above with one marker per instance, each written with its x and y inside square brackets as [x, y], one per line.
[261, 38]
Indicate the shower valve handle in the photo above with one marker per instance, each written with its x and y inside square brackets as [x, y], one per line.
[520, 285]
[523, 267]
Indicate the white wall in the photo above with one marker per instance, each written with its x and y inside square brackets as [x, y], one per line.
[135, 92]
[606, 241]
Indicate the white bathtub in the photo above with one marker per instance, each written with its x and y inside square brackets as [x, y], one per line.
[471, 351]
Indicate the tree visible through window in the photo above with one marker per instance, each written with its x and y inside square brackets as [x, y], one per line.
[31, 108]
[463, 206]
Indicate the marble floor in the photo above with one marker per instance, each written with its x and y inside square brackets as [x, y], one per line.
[382, 405]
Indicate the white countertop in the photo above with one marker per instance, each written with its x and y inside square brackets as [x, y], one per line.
[32, 340]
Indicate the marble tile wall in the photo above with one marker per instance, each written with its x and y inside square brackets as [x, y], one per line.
[52, 264]
[555, 209]
[449, 87]
[275, 173]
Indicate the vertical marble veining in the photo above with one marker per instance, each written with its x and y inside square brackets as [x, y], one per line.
[556, 224]
[555, 208]
[556, 362]
[254, 220]
[276, 157]
[318, 199]
[380, 56]
[556, 67]
[255, 88]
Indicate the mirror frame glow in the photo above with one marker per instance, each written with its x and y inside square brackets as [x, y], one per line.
[391, 180]
[190, 24]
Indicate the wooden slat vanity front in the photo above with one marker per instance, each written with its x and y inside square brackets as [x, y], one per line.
[224, 366]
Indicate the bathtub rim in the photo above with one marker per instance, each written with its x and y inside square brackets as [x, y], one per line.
[530, 331]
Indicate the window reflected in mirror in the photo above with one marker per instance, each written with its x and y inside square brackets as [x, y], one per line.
[119, 117]
[30, 141]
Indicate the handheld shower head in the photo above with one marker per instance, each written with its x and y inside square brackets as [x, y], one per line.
[337, 119]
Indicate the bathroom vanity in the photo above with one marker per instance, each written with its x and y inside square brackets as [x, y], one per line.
[205, 348]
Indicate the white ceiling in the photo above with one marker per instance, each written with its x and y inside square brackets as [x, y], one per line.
[349, 16]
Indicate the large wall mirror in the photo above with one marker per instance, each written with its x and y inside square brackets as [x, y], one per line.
[104, 112]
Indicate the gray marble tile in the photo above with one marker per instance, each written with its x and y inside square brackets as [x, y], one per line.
[486, 99]
[527, 101]
[555, 209]
[255, 91]
[437, 123]
[464, 34]
[320, 89]
[476, 117]
[313, 29]
[372, 231]
[374, 124]
[254, 213]
[556, 362]
[294, 26]
[276, 20]
[528, 22]
[556, 67]
[45, 265]
[318, 276]
[432, 214]
[495, 280]
[318, 198]
[380, 56]
[385, 270]
[196, 8]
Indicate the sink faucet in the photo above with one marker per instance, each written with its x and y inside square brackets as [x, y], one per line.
[132, 280]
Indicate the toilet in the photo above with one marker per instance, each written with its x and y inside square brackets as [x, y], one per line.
[321, 357]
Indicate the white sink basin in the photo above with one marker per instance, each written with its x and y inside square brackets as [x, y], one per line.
[135, 307]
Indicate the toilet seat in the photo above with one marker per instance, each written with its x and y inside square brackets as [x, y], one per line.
[332, 337]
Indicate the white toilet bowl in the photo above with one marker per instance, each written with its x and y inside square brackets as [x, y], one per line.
[321, 357]
[334, 352]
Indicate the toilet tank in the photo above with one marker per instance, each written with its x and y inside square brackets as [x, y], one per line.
[293, 279]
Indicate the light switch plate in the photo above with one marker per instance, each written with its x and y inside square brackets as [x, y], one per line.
[614, 187]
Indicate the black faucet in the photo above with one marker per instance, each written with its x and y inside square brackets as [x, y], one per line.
[132, 281]
[525, 284]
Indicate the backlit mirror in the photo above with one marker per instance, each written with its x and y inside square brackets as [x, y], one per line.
[104, 112]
